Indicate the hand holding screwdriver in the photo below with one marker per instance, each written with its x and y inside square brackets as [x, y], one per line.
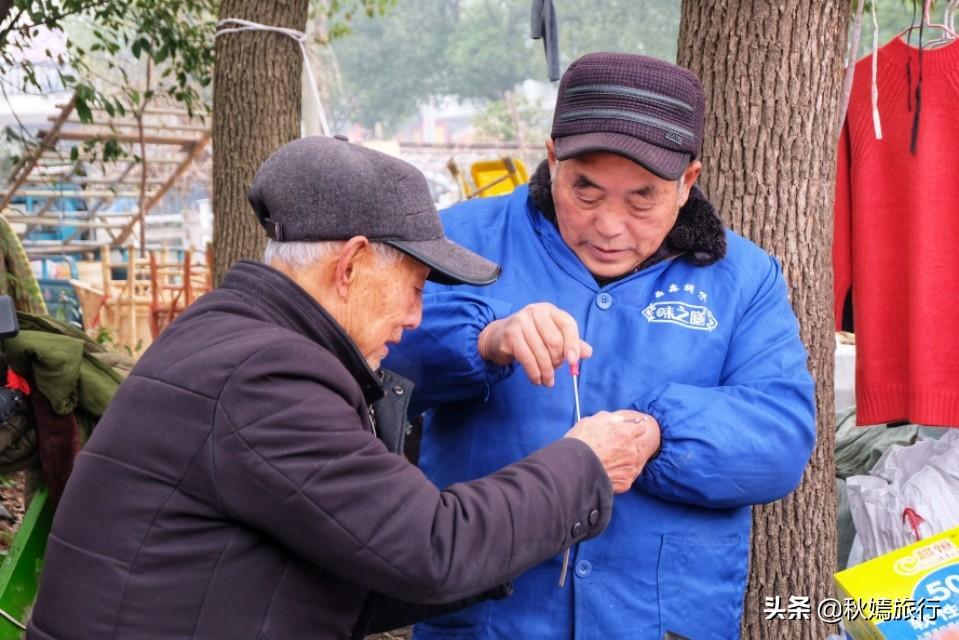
[540, 337]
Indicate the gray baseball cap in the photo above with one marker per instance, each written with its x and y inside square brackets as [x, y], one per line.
[320, 188]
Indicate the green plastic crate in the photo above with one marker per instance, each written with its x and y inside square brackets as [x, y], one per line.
[20, 570]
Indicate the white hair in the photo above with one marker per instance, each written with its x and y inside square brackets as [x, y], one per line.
[299, 255]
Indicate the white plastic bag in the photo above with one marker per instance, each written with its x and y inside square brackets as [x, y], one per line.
[911, 493]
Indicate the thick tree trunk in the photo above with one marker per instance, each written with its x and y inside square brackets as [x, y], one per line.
[772, 72]
[256, 109]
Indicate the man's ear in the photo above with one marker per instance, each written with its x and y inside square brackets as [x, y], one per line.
[551, 156]
[347, 261]
[689, 179]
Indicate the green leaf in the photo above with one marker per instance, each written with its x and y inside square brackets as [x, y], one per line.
[111, 150]
[83, 109]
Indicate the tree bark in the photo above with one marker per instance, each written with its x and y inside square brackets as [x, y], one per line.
[772, 72]
[256, 109]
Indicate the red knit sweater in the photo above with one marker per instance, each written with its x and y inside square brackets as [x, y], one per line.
[897, 238]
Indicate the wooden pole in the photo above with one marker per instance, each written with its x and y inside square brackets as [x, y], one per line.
[158, 195]
[25, 166]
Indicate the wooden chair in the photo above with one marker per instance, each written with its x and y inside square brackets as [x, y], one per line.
[175, 286]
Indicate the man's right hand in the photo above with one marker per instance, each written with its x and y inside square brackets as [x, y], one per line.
[540, 337]
[621, 442]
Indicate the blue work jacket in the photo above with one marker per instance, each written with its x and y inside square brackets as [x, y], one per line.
[712, 352]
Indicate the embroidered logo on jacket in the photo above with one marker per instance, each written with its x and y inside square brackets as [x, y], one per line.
[684, 314]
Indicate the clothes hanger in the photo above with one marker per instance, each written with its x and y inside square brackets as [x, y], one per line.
[948, 33]
[946, 28]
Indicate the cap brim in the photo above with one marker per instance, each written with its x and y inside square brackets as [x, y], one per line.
[665, 163]
[449, 262]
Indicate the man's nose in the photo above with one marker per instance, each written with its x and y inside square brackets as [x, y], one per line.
[414, 316]
[608, 224]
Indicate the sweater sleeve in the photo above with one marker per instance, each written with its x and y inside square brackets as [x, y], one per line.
[842, 228]
[295, 461]
[748, 440]
[441, 356]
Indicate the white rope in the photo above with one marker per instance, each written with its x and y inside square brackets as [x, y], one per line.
[852, 52]
[876, 124]
[300, 37]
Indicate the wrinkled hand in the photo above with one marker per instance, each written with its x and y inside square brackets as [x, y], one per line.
[623, 441]
[540, 337]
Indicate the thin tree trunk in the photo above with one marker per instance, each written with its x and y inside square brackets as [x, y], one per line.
[141, 202]
[772, 72]
[256, 109]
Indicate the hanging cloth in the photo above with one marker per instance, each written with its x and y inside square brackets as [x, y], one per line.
[543, 25]
[896, 218]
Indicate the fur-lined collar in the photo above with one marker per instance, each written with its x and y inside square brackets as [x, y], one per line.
[698, 233]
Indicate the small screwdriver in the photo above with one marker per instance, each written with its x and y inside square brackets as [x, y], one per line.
[573, 369]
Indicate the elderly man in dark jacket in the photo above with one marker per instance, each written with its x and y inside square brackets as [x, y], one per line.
[236, 488]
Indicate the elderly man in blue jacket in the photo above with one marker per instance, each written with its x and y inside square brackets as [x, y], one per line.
[612, 256]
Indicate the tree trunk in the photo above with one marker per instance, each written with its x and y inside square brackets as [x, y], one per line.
[256, 109]
[772, 72]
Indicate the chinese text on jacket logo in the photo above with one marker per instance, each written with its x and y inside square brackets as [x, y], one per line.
[684, 314]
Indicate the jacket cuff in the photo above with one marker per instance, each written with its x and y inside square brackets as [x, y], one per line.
[581, 476]
[659, 461]
[656, 464]
[493, 373]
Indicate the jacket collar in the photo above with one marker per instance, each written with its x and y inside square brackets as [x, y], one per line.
[281, 299]
[698, 233]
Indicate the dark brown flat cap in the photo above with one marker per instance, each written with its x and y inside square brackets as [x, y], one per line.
[320, 188]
